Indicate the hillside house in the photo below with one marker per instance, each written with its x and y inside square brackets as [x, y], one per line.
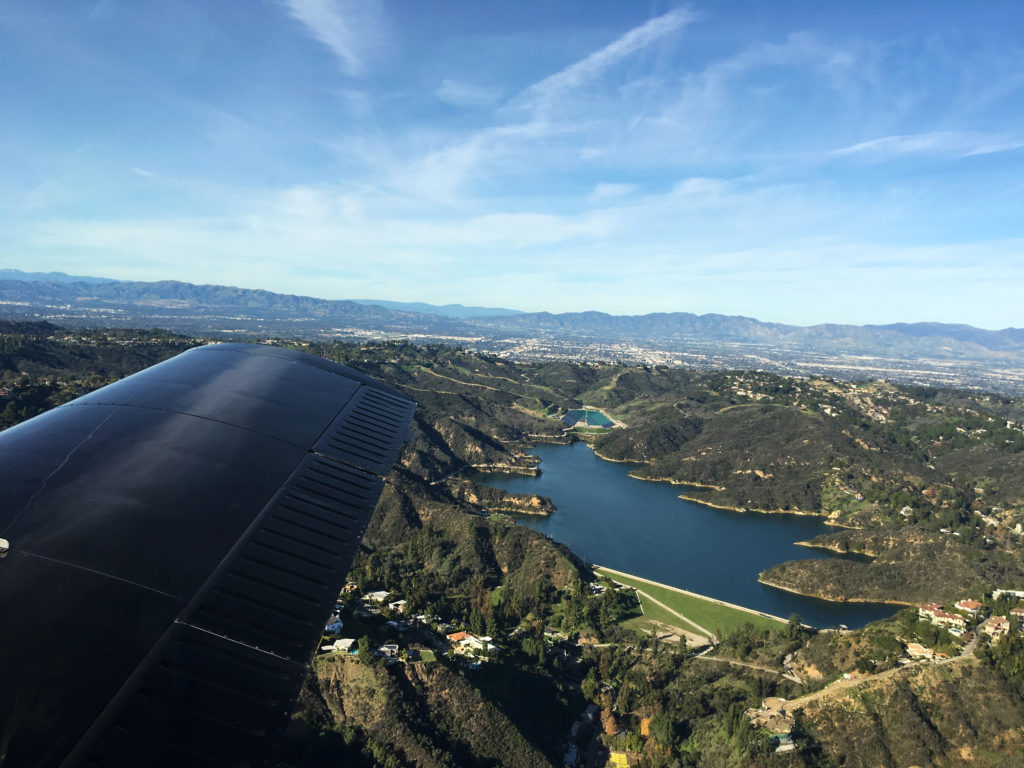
[969, 606]
[1018, 593]
[995, 627]
[918, 651]
[376, 597]
[934, 613]
[1017, 614]
[341, 645]
[772, 715]
[466, 643]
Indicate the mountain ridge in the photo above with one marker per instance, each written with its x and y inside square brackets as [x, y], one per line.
[444, 310]
[951, 354]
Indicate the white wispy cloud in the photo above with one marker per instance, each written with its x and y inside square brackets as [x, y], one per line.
[936, 141]
[962, 144]
[722, 86]
[440, 175]
[726, 107]
[593, 65]
[339, 25]
[442, 172]
[993, 146]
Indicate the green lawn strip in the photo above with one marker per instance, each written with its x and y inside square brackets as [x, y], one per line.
[426, 655]
[710, 615]
[653, 613]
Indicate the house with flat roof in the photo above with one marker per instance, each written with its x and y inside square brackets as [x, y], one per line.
[341, 645]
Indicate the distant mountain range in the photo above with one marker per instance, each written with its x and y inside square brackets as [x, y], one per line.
[717, 340]
[904, 338]
[445, 310]
[50, 277]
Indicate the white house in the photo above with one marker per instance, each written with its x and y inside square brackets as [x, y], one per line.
[1018, 593]
[969, 606]
[341, 645]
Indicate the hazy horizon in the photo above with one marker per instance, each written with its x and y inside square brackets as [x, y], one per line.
[800, 164]
[514, 310]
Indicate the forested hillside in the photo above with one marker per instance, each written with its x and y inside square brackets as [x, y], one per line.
[927, 483]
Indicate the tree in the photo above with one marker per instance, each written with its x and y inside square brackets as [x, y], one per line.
[608, 611]
[534, 647]
[365, 650]
[608, 722]
[662, 728]
[477, 625]
[795, 628]
[590, 685]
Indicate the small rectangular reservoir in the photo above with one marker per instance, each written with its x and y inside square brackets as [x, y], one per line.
[586, 417]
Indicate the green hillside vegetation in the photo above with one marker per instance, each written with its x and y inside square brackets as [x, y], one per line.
[960, 715]
[405, 714]
[43, 366]
[919, 459]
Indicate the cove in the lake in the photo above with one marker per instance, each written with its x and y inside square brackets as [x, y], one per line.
[644, 528]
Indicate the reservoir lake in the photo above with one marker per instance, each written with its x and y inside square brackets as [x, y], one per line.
[644, 528]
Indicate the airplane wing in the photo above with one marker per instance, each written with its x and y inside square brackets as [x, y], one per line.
[174, 544]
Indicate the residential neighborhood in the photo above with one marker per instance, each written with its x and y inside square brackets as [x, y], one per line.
[972, 616]
[407, 637]
[415, 638]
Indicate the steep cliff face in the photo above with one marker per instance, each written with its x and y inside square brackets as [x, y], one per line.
[424, 715]
[496, 500]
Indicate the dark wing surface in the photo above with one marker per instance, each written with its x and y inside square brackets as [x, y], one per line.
[175, 543]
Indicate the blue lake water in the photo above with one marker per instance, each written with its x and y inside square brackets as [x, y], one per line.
[644, 528]
[588, 417]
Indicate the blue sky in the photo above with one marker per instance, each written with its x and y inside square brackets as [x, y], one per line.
[795, 162]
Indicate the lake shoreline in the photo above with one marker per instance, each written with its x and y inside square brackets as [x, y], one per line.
[838, 600]
[649, 528]
[825, 516]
